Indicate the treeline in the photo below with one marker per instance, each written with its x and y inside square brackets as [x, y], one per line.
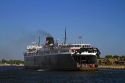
[112, 60]
[11, 62]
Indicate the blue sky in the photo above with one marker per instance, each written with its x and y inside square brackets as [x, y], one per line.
[99, 22]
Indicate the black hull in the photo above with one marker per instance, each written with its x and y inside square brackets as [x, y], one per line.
[58, 61]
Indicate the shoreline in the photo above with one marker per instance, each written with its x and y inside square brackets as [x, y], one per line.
[11, 65]
[118, 67]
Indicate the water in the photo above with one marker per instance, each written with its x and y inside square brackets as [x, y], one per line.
[19, 75]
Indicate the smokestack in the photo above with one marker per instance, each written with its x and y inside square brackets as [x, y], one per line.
[49, 40]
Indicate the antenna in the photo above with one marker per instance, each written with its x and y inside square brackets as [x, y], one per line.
[65, 36]
[38, 39]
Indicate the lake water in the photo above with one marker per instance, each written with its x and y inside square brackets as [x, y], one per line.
[19, 75]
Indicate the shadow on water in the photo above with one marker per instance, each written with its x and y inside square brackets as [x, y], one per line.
[20, 75]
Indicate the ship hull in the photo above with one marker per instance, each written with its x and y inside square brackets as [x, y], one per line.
[57, 62]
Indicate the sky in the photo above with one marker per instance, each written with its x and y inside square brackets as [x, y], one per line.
[99, 22]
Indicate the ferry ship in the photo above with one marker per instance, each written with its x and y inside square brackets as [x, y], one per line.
[55, 56]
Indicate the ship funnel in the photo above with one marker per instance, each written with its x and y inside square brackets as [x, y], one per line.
[49, 40]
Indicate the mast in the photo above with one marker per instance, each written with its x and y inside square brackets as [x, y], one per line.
[65, 36]
[38, 39]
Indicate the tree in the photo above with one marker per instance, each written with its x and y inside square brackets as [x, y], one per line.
[108, 56]
[4, 61]
[116, 56]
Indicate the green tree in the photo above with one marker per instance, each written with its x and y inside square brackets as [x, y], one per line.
[116, 56]
[108, 56]
[4, 61]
